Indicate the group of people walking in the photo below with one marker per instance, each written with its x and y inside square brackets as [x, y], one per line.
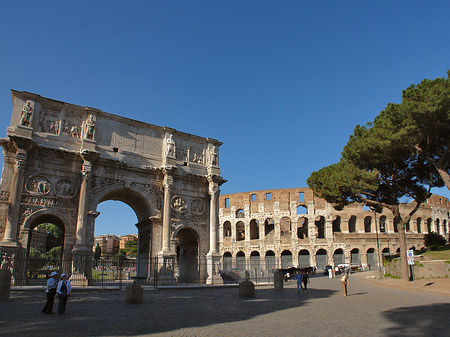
[303, 278]
[59, 287]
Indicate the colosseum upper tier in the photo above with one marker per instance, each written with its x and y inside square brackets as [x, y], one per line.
[293, 227]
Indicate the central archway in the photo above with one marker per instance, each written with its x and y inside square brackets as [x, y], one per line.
[186, 246]
[46, 256]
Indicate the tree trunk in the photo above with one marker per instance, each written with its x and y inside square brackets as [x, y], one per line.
[402, 241]
[445, 177]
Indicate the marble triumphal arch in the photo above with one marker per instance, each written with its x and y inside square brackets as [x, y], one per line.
[61, 160]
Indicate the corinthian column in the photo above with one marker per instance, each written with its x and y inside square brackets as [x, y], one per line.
[80, 244]
[10, 238]
[213, 192]
[213, 256]
[168, 181]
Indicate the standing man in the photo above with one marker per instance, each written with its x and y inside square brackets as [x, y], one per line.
[51, 291]
[305, 279]
[299, 281]
[344, 281]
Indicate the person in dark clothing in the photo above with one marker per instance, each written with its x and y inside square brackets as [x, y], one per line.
[52, 282]
[64, 289]
[305, 280]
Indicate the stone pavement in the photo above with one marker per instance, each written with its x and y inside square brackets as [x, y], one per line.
[370, 309]
[435, 285]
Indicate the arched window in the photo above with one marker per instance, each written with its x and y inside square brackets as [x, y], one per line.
[438, 226]
[304, 259]
[254, 230]
[302, 228]
[226, 229]
[368, 224]
[429, 221]
[286, 259]
[269, 227]
[355, 256]
[285, 226]
[320, 224]
[240, 213]
[240, 231]
[302, 210]
[352, 224]
[337, 224]
[382, 224]
[419, 225]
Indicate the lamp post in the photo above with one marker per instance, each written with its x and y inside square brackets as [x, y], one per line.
[378, 244]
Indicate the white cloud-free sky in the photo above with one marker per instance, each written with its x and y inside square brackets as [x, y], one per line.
[281, 84]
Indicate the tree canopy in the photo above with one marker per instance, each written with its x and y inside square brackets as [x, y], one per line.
[380, 166]
[426, 109]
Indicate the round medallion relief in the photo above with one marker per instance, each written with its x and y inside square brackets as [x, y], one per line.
[179, 204]
[38, 185]
[198, 206]
[65, 188]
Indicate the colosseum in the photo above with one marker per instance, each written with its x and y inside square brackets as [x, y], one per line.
[263, 230]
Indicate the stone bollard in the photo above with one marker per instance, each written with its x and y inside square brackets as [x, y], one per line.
[134, 294]
[278, 279]
[5, 284]
[246, 289]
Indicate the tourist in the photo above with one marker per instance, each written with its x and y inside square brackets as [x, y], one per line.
[305, 280]
[52, 282]
[63, 291]
[330, 273]
[344, 281]
[299, 281]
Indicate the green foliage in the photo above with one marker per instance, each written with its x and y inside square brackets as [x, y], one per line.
[380, 164]
[97, 252]
[55, 235]
[426, 109]
[131, 248]
[434, 240]
[55, 252]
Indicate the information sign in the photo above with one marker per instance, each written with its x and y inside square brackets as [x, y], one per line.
[410, 255]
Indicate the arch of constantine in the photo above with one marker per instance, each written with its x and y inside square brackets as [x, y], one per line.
[61, 160]
[292, 227]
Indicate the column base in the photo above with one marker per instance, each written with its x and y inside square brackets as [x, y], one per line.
[213, 268]
[166, 268]
[9, 243]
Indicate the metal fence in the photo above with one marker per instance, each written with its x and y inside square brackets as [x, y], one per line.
[34, 270]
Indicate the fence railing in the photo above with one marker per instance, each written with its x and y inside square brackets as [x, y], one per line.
[34, 270]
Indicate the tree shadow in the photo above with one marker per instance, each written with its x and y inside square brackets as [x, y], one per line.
[105, 313]
[426, 320]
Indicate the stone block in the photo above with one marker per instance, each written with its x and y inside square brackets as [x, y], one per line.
[246, 289]
[278, 279]
[134, 294]
[5, 284]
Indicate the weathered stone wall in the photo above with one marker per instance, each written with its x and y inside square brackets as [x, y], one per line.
[298, 228]
[62, 160]
[422, 269]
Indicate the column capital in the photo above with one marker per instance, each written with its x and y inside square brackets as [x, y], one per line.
[22, 144]
[89, 156]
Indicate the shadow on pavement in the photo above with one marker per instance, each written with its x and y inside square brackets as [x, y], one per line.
[427, 320]
[105, 313]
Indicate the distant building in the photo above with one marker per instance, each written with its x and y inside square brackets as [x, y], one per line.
[39, 239]
[125, 238]
[109, 244]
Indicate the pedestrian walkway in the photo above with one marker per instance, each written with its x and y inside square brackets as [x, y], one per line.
[434, 285]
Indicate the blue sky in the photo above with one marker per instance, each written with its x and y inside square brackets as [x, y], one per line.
[281, 84]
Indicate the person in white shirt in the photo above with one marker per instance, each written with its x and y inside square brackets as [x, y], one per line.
[52, 282]
[64, 289]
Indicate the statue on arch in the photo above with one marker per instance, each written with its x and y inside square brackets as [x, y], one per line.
[170, 147]
[27, 111]
[90, 127]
